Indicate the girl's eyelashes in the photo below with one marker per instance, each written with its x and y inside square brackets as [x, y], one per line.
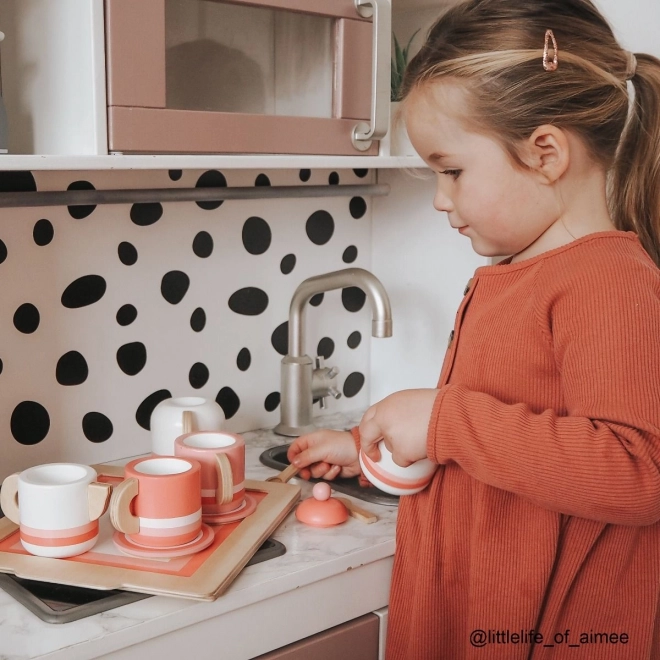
[454, 174]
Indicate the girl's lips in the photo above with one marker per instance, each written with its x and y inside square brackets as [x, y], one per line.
[461, 230]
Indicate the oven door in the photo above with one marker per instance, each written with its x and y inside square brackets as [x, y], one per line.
[247, 76]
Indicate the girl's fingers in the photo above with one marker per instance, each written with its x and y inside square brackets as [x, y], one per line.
[370, 435]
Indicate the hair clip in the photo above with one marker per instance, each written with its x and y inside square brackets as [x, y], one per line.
[550, 65]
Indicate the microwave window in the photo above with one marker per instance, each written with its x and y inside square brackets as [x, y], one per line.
[235, 58]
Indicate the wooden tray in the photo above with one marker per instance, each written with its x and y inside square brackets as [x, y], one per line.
[202, 576]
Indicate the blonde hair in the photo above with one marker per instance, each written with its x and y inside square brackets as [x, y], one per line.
[494, 49]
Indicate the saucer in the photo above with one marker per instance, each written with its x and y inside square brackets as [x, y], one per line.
[128, 547]
[248, 507]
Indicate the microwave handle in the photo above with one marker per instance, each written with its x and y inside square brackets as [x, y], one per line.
[381, 54]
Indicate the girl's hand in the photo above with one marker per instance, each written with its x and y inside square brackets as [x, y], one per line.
[402, 421]
[325, 454]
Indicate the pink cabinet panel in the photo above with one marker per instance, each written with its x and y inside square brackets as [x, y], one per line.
[243, 76]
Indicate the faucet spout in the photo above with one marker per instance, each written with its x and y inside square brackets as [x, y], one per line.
[301, 382]
[381, 324]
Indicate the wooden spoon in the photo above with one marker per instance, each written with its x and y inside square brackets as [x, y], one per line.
[358, 512]
[288, 473]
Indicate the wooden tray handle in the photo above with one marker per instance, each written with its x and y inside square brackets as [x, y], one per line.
[9, 497]
[120, 513]
[98, 498]
[225, 493]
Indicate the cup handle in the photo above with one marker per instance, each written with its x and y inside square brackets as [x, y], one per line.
[9, 497]
[120, 513]
[187, 422]
[225, 491]
[98, 498]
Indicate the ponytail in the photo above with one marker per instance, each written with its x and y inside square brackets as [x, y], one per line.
[635, 177]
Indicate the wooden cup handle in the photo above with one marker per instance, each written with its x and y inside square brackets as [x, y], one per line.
[98, 498]
[120, 513]
[224, 494]
[9, 497]
[187, 422]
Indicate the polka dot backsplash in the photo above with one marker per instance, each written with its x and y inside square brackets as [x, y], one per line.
[106, 310]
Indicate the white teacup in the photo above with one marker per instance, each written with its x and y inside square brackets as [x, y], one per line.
[167, 420]
[394, 479]
[57, 507]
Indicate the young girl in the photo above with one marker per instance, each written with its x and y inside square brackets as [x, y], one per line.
[539, 535]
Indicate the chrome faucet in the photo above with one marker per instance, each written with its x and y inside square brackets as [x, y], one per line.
[304, 379]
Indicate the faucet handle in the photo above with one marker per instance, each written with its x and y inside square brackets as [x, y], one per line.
[323, 382]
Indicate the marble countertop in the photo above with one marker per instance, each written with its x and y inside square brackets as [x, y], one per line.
[311, 555]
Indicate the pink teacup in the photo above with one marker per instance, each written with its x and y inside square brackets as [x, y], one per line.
[222, 457]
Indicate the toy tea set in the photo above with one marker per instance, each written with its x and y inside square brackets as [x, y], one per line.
[194, 478]
[166, 502]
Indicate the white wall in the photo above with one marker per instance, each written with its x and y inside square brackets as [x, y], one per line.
[635, 23]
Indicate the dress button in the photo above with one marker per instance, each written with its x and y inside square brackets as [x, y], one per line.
[451, 339]
[467, 287]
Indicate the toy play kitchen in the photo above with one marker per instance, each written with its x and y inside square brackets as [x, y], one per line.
[296, 565]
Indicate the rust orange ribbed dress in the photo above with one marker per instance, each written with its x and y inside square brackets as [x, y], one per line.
[544, 513]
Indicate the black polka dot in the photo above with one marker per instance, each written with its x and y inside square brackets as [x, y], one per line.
[43, 232]
[199, 375]
[316, 299]
[198, 320]
[29, 423]
[84, 291]
[211, 179]
[203, 244]
[305, 175]
[132, 357]
[262, 180]
[126, 314]
[96, 427]
[128, 255]
[272, 401]
[71, 369]
[26, 318]
[80, 212]
[146, 213]
[17, 181]
[353, 384]
[256, 235]
[361, 173]
[353, 298]
[175, 175]
[354, 339]
[280, 338]
[320, 227]
[146, 408]
[228, 400]
[2, 366]
[288, 263]
[333, 179]
[249, 301]
[326, 347]
[357, 206]
[243, 359]
[350, 254]
[3, 252]
[174, 286]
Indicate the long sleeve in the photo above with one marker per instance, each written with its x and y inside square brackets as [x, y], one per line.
[598, 458]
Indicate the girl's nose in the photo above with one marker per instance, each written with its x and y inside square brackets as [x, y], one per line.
[441, 201]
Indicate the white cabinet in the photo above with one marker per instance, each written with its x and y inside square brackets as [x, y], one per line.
[82, 80]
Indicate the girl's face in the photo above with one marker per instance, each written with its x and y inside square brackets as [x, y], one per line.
[498, 206]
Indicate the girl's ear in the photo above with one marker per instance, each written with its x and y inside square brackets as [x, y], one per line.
[547, 152]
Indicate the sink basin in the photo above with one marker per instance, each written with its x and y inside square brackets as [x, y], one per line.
[275, 457]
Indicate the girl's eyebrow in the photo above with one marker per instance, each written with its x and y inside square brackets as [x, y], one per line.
[437, 157]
